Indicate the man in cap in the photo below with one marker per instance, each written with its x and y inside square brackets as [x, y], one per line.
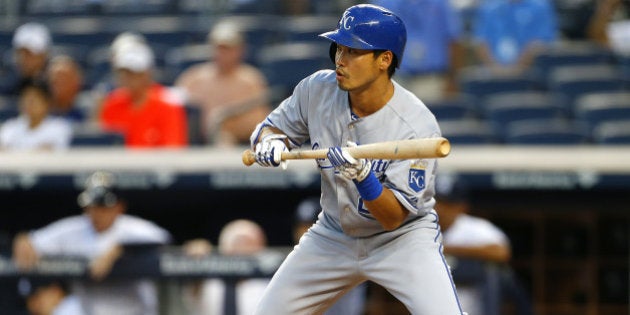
[470, 241]
[232, 94]
[141, 109]
[98, 235]
[31, 45]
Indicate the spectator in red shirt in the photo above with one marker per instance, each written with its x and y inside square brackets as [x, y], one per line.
[145, 112]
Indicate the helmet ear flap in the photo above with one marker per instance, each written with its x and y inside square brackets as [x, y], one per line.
[332, 51]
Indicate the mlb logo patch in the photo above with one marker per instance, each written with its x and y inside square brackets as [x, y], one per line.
[416, 177]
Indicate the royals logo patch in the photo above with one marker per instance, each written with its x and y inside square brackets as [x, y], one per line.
[417, 176]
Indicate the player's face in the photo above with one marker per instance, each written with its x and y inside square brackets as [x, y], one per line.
[103, 217]
[356, 68]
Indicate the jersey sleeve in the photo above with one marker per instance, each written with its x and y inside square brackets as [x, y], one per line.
[411, 181]
[49, 239]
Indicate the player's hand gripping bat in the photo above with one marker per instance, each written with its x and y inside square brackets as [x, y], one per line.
[390, 150]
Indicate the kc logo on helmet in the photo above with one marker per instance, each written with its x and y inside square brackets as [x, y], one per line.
[346, 21]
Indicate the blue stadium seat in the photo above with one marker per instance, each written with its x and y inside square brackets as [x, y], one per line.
[96, 138]
[285, 65]
[9, 112]
[467, 132]
[79, 31]
[98, 65]
[502, 109]
[570, 54]
[307, 28]
[615, 132]
[194, 123]
[596, 108]
[180, 58]
[571, 82]
[456, 107]
[544, 132]
[77, 51]
[480, 82]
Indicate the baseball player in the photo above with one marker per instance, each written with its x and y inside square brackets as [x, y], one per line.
[378, 221]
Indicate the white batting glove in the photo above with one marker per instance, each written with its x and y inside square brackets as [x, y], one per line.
[347, 165]
[269, 150]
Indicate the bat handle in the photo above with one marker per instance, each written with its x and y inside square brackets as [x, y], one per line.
[249, 157]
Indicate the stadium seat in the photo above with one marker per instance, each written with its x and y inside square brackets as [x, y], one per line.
[615, 132]
[86, 138]
[285, 65]
[9, 112]
[467, 132]
[79, 31]
[571, 82]
[544, 132]
[502, 109]
[480, 82]
[307, 28]
[178, 59]
[194, 120]
[452, 108]
[596, 108]
[78, 52]
[570, 54]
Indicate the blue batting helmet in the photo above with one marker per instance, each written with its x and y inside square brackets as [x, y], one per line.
[367, 26]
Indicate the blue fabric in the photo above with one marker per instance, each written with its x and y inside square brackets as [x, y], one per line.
[370, 188]
[431, 26]
[507, 27]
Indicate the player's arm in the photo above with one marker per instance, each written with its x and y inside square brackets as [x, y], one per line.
[379, 200]
[492, 252]
[24, 254]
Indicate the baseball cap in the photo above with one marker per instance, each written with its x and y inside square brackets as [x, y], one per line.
[124, 38]
[226, 33]
[26, 286]
[134, 56]
[451, 188]
[32, 36]
[308, 210]
[99, 191]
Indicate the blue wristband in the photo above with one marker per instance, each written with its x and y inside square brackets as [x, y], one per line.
[370, 188]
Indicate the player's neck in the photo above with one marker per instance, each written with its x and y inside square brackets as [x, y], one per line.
[370, 100]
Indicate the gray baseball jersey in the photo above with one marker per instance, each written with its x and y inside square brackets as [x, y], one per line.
[347, 245]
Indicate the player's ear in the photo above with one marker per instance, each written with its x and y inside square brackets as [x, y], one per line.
[385, 60]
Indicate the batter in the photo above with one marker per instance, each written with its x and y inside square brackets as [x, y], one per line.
[377, 221]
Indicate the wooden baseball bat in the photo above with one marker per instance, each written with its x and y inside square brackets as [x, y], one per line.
[392, 150]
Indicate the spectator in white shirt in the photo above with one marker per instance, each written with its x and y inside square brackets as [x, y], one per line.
[35, 128]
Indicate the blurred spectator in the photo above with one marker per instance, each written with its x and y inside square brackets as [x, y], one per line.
[353, 302]
[31, 45]
[98, 235]
[610, 25]
[34, 128]
[65, 80]
[470, 238]
[237, 238]
[509, 34]
[434, 52]
[145, 112]
[232, 95]
[49, 296]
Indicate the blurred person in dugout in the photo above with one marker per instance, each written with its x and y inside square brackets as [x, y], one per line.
[434, 52]
[471, 239]
[232, 95]
[227, 297]
[65, 78]
[99, 235]
[610, 25]
[507, 35]
[31, 47]
[34, 128]
[49, 296]
[144, 111]
[306, 214]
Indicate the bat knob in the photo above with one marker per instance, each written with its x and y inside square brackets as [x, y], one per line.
[248, 157]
